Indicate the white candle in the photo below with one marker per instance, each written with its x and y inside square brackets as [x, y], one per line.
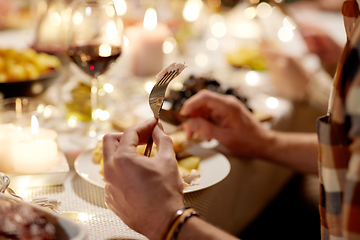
[6, 143]
[36, 156]
[35, 150]
[146, 42]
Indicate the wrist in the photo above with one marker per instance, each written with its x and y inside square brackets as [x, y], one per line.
[268, 144]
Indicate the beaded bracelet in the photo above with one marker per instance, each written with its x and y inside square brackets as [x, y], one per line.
[179, 222]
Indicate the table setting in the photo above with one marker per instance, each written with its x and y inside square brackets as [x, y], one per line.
[60, 95]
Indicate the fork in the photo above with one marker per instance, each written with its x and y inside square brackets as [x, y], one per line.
[156, 100]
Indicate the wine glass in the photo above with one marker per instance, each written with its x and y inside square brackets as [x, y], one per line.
[94, 43]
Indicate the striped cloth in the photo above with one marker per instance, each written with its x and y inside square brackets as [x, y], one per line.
[339, 152]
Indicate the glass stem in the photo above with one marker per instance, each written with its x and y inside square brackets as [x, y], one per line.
[94, 104]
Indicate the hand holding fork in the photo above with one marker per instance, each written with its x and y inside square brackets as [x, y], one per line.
[157, 95]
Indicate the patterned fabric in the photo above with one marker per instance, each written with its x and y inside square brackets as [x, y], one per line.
[339, 152]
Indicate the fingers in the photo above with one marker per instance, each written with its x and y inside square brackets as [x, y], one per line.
[203, 99]
[163, 142]
[138, 134]
[204, 129]
[110, 144]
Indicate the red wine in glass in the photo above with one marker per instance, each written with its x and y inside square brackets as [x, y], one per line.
[91, 60]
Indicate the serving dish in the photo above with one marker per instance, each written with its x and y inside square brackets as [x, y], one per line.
[66, 229]
[29, 88]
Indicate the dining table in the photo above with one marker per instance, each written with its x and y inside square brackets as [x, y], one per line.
[230, 204]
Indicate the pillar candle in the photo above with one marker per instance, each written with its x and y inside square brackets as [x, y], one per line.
[146, 42]
[35, 153]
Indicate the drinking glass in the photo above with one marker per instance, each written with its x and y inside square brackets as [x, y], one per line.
[94, 43]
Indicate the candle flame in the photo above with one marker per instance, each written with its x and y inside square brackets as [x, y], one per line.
[18, 106]
[34, 125]
[150, 19]
[192, 10]
[120, 7]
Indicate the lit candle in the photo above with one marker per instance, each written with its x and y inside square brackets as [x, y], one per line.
[146, 42]
[35, 150]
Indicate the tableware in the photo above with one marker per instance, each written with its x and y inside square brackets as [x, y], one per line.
[157, 94]
[213, 168]
[66, 229]
[29, 88]
[94, 43]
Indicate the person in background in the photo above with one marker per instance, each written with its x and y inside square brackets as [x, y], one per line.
[296, 83]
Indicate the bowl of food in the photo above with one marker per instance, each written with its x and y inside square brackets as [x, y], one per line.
[27, 72]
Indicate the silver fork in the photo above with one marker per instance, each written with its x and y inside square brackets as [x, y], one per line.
[156, 100]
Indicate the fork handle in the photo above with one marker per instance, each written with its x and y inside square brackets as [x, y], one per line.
[148, 147]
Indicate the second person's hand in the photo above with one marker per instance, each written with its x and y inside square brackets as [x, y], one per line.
[225, 118]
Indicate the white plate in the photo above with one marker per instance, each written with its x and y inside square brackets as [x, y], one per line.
[213, 168]
[66, 229]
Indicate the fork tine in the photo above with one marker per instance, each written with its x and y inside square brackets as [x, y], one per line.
[166, 78]
[162, 80]
[166, 75]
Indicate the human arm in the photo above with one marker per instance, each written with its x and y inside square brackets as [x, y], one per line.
[292, 76]
[323, 45]
[287, 73]
[145, 192]
[226, 119]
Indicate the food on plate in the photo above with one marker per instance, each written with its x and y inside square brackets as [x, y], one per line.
[97, 152]
[188, 170]
[21, 221]
[26, 64]
[191, 178]
[180, 143]
[187, 164]
[247, 56]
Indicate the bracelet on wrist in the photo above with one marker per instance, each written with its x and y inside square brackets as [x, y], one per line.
[173, 218]
[178, 220]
